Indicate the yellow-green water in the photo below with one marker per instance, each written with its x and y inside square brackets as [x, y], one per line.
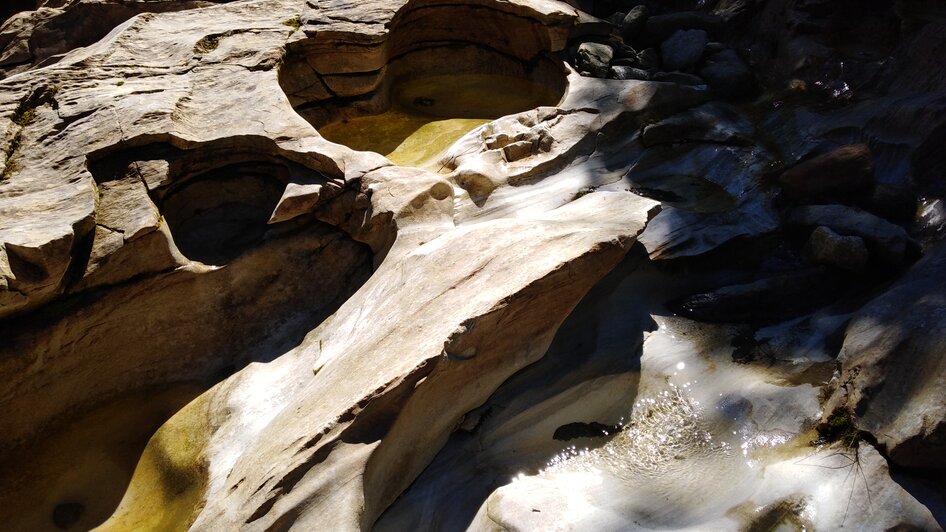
[166, 490]
[77, 473]
[429, 114]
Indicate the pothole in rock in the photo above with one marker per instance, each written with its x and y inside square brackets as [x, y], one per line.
[428, 115]
[217, 216]
[441, 71]
[75, 476]
[119, 359]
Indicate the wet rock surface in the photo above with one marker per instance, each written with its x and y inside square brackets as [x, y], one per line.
[276, 264]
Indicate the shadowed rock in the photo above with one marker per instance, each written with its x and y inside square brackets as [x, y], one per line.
[826, 247]
[892, 369]
[683, 49]
[840, 174]
[766, 300]
[887, 241]
[594, 58]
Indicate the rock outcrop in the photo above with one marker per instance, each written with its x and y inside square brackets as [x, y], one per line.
[413, 265]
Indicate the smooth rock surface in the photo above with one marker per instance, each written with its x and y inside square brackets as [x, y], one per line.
[712, 122]
[412, 265]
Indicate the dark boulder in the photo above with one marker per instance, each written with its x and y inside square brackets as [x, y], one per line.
[831, 249]
[886, 241]
[766, 300]
[683, 49]
[634, 23]
[729, 76]
[659, 27]
[840, 174]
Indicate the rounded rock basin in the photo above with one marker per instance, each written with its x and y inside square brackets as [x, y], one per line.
[429, 114]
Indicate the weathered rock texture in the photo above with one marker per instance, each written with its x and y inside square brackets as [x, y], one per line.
[892, 378]
[331, 341]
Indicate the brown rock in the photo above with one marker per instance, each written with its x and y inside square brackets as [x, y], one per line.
[837, 175]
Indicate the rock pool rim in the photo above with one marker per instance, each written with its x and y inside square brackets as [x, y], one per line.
[328, 79]
[429, 114]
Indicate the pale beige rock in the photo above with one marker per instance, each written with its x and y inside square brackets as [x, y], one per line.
[464, 299]
[552, 162]
[297, 199]
[132, 132]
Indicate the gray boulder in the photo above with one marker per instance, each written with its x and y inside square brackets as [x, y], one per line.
[893, 372]
[594, 58]
[628, 73]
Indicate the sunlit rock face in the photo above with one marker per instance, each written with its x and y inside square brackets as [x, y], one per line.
[516, 265]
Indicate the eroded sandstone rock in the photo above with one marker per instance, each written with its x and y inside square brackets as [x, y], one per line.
[350, 342]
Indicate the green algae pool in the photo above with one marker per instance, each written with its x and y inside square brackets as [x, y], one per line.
[77, 472]
[429, 114]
